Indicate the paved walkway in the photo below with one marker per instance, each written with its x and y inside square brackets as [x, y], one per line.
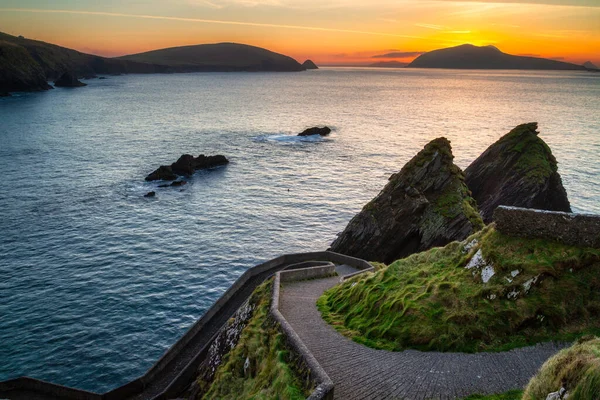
[359, 372]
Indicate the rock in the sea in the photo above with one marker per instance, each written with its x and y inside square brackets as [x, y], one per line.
[102, 77]
[316, 131]
[426, 204]
[4, 94]
[308, 64]
[518, 170]
[185, 166]
[68, 79]
[163, 173]
[150, 194]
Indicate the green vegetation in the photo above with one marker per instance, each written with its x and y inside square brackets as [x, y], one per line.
[270, 374]
[510, 395]
[577, 369]
[540, 291]
[536, 160]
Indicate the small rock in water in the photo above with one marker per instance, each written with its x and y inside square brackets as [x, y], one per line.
[68, 79]
[185, 166]
[316, 131]
[150, 194]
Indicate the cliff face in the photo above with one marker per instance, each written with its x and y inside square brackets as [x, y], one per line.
[518, 170]
[18, 70]
[426, 204]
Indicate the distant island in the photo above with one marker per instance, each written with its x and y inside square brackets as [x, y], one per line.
[468, 56]
[28, 65]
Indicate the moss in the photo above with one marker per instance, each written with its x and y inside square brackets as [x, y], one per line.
[273, 372]
[535, 157]
[510, 395]
[430, 301]
[577, 369]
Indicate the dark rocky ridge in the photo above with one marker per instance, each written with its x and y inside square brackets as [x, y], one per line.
[424, 205]
[28, 65]
[316, 131]
[308, 64]
[518, 170]
[68, 79]
[468, 56]
[186, 165]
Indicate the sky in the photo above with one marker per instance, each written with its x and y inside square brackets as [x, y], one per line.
[335, 32]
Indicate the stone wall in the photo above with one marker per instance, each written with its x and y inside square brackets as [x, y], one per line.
[569, 228]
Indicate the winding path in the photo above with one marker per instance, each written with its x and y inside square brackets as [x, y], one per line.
[360, 372]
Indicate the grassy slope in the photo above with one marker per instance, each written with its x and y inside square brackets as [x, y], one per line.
[218, 55]
[271, 376]
[510, 395]
[577, 369]
[429, 300]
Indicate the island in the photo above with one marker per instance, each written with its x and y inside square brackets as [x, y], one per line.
[468, 56]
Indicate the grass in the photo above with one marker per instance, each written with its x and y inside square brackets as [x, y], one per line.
[510, 395]
[536, 160]
[430, 301]
[272, 373]
[577, 369]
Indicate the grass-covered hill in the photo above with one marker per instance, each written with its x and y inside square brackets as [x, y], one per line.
[490, 292]
[573, 373]
[218, 57]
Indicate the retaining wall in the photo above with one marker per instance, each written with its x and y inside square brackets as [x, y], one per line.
[570, 228]
[324, 385]
[172, 363]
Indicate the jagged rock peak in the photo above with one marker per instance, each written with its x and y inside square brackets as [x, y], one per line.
[518, 170]
[424, 205]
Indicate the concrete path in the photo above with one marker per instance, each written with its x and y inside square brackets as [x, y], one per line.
[359, 372]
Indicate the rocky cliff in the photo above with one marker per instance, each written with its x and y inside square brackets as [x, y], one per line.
[518, 170]
[424, 205]
[18, 70]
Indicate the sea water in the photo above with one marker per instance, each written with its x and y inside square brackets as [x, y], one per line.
[96, 281]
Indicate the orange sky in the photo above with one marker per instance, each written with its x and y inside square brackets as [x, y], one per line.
[329, 32]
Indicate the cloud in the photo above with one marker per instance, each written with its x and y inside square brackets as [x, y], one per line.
[399, 54]
[431, 26]
[205, 21]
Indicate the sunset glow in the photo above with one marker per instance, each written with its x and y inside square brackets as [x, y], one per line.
[335, 32]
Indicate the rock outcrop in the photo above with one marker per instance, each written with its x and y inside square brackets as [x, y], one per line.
[518, 170]
[68, 79]
[186, 165]
[308, 64]
[424, 205]
[19, 71]
[316, 131]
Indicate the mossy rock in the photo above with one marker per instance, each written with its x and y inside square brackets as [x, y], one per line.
[426, 204]
[518, 170]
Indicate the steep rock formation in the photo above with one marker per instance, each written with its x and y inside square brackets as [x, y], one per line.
[518, 170]
[68, 79]
[424, 205]
[308, 64]
[186, 165]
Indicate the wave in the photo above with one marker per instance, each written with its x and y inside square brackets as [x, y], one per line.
[291, 139]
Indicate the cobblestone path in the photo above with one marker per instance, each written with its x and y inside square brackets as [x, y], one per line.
[360, 372]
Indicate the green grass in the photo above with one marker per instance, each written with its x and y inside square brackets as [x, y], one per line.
[272, 374]
[510, 395]
[577, 369]
[430, 301]
[536, 160]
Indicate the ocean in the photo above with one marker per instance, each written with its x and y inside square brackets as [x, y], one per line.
[96, 281]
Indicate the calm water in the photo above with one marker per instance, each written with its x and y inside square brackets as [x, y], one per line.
[96, 282]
